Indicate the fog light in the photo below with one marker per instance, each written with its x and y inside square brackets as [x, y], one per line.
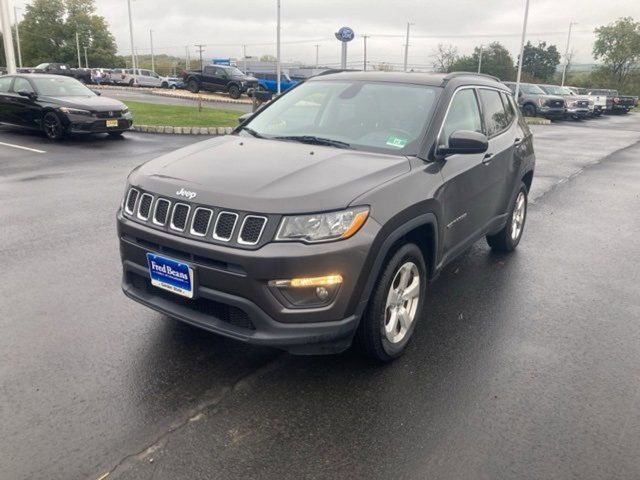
[307, 291]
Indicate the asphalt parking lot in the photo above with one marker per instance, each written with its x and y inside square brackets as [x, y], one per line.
[526, 366]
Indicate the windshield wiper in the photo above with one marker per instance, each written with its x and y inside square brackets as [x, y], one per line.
[315, 140]
[251, 131]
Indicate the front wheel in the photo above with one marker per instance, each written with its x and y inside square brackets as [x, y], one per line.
[234, 91]
[52, 126]
[507, 239]
[193, 86]
[395, 305]
[164, 85]
[530, 110]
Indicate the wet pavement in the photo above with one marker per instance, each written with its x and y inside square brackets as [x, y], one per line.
[525, 366]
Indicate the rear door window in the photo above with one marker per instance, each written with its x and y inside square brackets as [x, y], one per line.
[508, 106]
[5, 83]
[496, 118]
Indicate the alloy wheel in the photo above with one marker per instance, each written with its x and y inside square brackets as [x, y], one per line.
[517, 219]
[402, 302]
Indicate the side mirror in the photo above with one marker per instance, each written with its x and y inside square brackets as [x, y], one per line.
[463, 142]
[30, 95]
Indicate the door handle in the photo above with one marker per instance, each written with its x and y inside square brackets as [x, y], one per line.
[518, 141]
[487, 158]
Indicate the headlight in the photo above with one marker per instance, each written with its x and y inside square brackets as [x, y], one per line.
[323, 227]
[125, 111]
[541, 101]
[74, 111]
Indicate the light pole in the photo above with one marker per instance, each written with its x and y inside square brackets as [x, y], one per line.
[86, 61]
[244, 57]
[5, 21]
[317, 55]
[15, 16]
[566, 54]
[365, 52]
[153, 60]
[278, 73]
[187, 60]
[480, 58]
[406, 47]
[524, 34]
[133, 54]
[78, 48]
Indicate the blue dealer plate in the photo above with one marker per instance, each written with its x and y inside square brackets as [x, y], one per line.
[170, 275]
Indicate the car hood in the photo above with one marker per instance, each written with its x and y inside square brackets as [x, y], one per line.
[268, 176]
[99, 104]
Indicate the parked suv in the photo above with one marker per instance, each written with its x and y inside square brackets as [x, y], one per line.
[325, 214]
[534, 101]
[219, 78]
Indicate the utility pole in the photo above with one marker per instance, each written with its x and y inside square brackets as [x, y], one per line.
[244, 57]
[278, 73]
[187, 60]
[133, 54]
[86, 62]
[480, 59]
[78, 47]
[566, 54]
[153, 60]
[317, 55]
[406, 47]
[15, 16]
[5, 22]
[365, 51]
[524, 34]
[200, 50]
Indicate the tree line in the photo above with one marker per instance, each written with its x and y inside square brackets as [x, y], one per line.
[617, 47]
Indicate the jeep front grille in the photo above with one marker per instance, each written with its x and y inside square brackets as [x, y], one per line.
[251, 230]
[132, 197]
[210, 224]
[225, 224]
[145, 206]
[161, 212]
[200, 222]
[179, 217]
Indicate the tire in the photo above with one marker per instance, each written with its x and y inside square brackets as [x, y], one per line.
[131, 82]
[193, 86]
[52, 126]
[507, 239]
[164, 85]
[385, 305]
[529, 110]
[115, 134]
[234, 92]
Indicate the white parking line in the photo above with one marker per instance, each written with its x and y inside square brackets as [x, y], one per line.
[22, 148]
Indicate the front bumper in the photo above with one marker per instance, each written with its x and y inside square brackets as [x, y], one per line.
[231, 292]
[578, 112]
[91, 124]
[552, 112]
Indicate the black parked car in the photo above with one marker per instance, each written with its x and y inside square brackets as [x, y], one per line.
[59, 105]
[219, 78]
[330, 210]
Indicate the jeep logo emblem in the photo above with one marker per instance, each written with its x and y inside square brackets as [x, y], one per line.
[186, 193]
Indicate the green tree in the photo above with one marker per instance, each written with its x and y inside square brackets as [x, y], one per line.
[496, 61]
[540, 62]
[48, 33]
[618, 46]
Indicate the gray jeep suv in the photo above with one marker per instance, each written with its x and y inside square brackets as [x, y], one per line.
[325, 215]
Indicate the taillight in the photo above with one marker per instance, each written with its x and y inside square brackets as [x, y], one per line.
[122, 76]
[616, 99]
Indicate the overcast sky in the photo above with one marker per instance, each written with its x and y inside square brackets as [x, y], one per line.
[225, 25]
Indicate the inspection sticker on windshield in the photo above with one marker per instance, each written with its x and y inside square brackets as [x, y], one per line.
[170, 275]
[396, 141]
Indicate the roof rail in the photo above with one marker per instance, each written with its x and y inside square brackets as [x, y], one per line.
[453, 75]
[335, 70]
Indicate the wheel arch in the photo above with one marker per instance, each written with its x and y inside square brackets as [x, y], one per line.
[421, 230]
[527, 179]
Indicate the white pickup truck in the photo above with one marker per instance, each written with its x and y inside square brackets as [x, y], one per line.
[599, 101]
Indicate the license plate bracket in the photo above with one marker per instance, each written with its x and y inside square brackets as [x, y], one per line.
[112, 123]
[171, 275]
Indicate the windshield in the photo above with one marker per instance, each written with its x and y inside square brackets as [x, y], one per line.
[556, 90]
[531, 89]
[61, 87]
[388, 116]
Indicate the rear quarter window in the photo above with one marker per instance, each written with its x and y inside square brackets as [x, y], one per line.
[5, 83]
[496, 118]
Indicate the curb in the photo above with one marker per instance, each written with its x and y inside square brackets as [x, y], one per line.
[537, 121]
[214, 131]
[183, 94]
